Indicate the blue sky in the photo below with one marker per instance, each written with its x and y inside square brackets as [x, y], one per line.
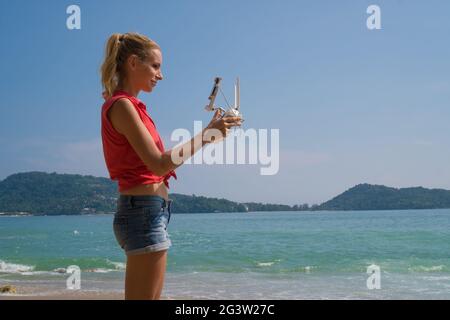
[352, 105]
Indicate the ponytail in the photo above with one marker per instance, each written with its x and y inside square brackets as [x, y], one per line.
[118, 48]
[109, 66]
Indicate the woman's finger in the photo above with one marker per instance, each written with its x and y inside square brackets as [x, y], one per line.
[232, 119]
[232, 124]
[216, 114]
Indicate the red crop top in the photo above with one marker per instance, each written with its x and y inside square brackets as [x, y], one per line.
[122, 161]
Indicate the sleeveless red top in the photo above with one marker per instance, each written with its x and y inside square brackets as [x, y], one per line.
[122, 161]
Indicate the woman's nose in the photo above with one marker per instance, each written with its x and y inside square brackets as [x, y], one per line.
[160, 76]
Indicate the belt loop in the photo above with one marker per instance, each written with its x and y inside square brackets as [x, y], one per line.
[169, 204]
[130, 201]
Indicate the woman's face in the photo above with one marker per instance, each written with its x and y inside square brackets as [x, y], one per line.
[146, 74]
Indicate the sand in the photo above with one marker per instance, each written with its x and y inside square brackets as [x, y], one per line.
[70, 295]
[25, 293]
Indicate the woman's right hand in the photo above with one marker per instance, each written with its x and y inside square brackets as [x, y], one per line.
[223, 124]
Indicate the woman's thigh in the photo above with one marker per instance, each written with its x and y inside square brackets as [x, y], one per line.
[145, 275]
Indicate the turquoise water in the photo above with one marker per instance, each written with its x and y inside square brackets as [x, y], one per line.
[286, 255]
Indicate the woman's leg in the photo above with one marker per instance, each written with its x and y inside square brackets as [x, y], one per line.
[144, 277]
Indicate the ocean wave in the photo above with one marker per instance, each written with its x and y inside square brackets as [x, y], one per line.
[29, 270]
[308, 269]
[267, 264]
[99, 270]
[7, 267]
[436, 278]
[117, 265]
[299, 269]
[426, 269]
[39, 273]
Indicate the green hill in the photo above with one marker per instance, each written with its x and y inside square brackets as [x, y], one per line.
[40, 193]
[52, 193]
[377, 197]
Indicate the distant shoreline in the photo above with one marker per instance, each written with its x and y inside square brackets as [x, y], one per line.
[5, 214]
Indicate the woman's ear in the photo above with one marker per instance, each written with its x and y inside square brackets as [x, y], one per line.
[132, 61]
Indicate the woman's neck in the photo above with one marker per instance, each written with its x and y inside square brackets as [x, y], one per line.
[128, 89]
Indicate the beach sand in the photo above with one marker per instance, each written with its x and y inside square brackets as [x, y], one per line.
[30, 293]
[75, 295]
[79, 295]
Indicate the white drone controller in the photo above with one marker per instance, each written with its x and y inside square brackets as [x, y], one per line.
[232, 111]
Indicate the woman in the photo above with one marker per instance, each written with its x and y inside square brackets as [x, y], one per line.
[135, 156]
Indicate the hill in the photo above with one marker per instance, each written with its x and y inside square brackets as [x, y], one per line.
[378, 197]
[40, 193]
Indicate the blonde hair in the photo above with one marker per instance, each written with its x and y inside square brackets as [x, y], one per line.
[118, 48]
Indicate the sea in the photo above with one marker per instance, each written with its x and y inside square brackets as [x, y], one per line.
[399, 254]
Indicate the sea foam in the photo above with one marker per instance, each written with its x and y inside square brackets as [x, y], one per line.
[7, 267]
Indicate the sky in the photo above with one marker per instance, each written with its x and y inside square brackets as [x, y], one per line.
[352, 105]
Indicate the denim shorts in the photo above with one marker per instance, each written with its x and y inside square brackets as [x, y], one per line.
[140, 223]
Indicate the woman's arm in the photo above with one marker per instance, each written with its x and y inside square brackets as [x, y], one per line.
[125, 119]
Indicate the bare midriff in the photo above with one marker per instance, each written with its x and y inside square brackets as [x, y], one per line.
[151, 189]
